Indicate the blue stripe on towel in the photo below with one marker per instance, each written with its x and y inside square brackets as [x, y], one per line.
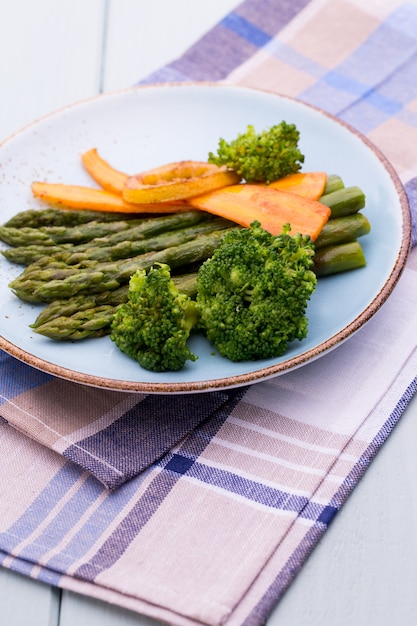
[41, 507]
[17, 377]
[143, 434]
[246, 30]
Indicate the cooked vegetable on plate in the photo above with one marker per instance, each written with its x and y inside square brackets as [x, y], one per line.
[239, 240]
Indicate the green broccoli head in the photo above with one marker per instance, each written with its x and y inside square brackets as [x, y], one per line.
[153, 326]
[253, 292]
[261, 157]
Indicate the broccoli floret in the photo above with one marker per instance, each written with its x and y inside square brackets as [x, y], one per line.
[253, 292]
[153, 326]
[261, 157]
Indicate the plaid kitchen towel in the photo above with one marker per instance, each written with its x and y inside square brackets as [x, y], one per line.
[214, 530]
[83, 424]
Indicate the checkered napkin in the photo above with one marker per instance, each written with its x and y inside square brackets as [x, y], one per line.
[218, 517]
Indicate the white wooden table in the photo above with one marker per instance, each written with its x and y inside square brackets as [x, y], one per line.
[55, 52]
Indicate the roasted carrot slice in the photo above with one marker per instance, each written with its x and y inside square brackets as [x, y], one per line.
[273, 208]
[307, 184]
[177, 181]
[78, 197]
[102, 172]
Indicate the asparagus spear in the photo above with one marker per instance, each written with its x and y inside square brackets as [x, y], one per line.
[339, 258]
[126, 249]
[129, 247]
[52, 235]
[342, 230]
[345, 201]
[151, 227]
[80, 317]
[333, 182]
[67, 307]
[44, 285]
[25, 255]
[86, 323]
[34, 218]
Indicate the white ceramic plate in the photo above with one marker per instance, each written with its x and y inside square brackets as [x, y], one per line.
[141, 128]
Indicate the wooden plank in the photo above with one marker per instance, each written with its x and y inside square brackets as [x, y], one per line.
[143, 36]
[51, 56]
[26, 601]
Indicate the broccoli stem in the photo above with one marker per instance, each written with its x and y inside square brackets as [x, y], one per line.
[338, 258]
[344, 201]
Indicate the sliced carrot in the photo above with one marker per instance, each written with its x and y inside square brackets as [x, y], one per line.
[78, 197]
[273, 208]
[177, 181]
[102, 172]
[307, 184]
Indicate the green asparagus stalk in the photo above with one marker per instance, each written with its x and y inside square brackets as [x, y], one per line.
[73, 255]
[342, 230]
[186, 283]
[25, 255]
[333, 182]
[80, 317]
[345, 201]
[52, 235]
[34, 218]
[127, 248]
[84, 233]
[150, 227]
[339, 258]
[44, 285]
[67, 307]
[86, 323]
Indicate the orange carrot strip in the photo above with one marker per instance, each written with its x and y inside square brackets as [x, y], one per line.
[78, 197]
[273, 208]
[177, 181]
[102, 172]
[307, 184]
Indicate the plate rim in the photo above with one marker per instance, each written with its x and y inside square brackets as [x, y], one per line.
[261, 374]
